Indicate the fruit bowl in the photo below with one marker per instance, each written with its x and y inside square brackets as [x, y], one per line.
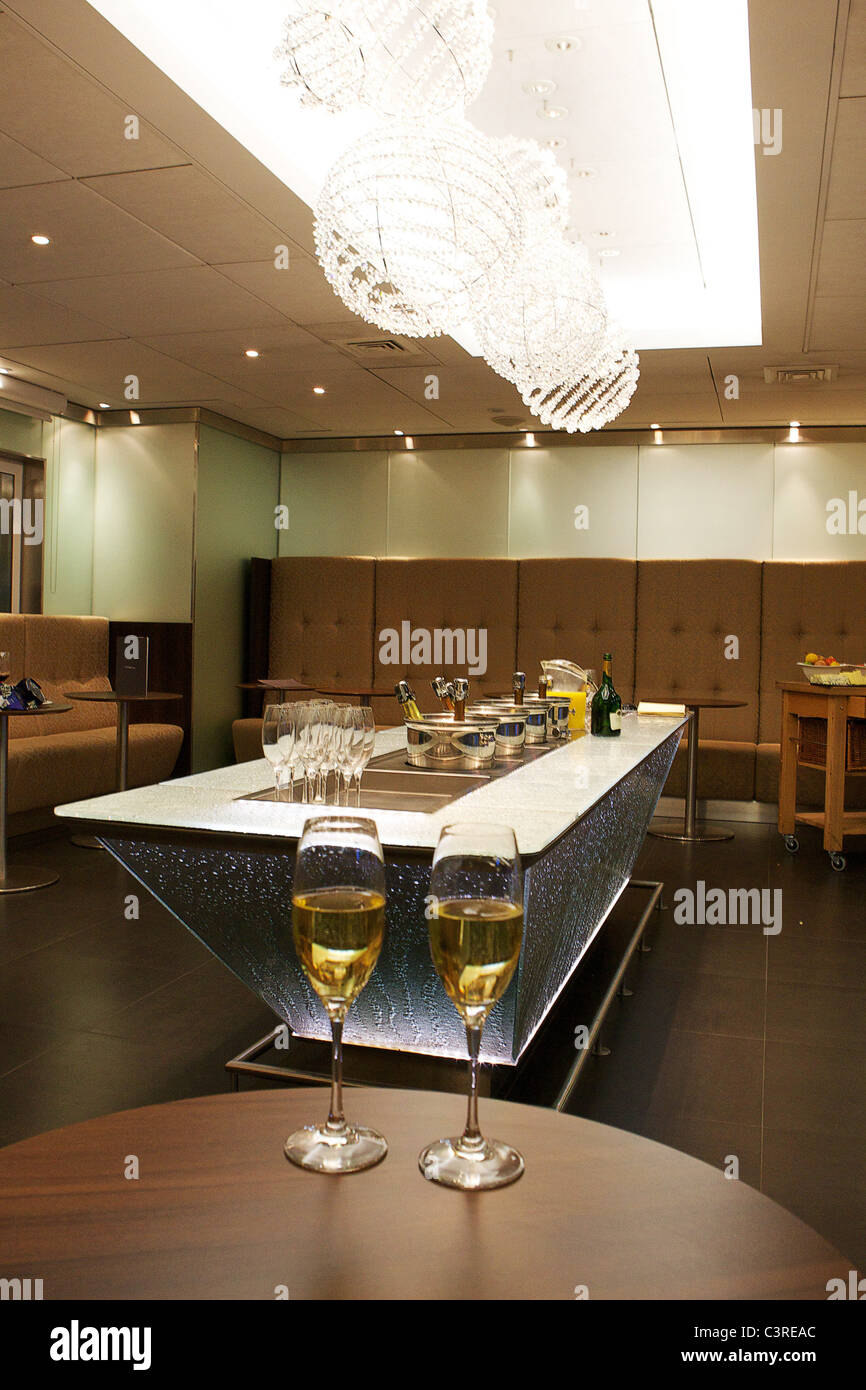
[844, 673]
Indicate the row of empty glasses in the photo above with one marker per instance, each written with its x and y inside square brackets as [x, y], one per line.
[310, 739]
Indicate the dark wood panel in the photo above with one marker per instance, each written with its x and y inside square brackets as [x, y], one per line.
[222, 1215]
[258, 632]
[169, 668]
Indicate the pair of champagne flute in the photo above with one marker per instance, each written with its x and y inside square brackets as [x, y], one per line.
[318, 737]
[475, 919]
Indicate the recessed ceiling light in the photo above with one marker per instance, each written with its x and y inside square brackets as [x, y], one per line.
[607, 252]
[251, 352]
[400, 432]
[558, 142]
[5, 371]
[318, 390]
[103, 405]
[41, 240]
[566, 43]
[655, 427]
[603, 235]
[542, 88]
[552, 113]
[584, 171]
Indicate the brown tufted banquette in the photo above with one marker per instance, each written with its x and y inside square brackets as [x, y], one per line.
[728, 628]
[69, 757]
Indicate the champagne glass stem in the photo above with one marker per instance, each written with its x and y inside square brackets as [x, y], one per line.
[336, 1118]
[471, 1137]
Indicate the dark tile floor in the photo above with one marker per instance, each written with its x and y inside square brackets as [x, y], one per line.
[734, 1042]
[746, 1044]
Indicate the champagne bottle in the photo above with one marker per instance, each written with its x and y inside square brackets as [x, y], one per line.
[406, 696]
[518, 686]
[606, 716]
[440, 690]
[461, 690]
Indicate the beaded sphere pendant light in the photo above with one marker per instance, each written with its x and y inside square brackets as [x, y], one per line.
[323, 55]
[399, 57]
[416, 225]
[591, 398]
[547, 320]
[541, 185]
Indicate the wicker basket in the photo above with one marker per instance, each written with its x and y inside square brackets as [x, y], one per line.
[812, 744]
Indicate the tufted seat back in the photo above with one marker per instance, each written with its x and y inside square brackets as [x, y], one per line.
[322, 620]
[818, 606]
[61, 654]
[687, 613]
[447, 595]
[578, 609]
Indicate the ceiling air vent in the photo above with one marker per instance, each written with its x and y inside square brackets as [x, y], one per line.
[378, 349]
[799, 376]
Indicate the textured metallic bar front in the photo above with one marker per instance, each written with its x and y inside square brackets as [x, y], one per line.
[238, 902]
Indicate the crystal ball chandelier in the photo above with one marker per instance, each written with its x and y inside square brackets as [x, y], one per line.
[324, 57]
[416, 225]
[399, 57]
[591, 398]
[547, 320]
[541, 185]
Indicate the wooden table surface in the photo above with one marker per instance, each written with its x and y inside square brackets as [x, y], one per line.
[218, 1213]
[104, 695]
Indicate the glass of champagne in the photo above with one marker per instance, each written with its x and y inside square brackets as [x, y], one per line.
[278, 739]
[5, 667]
[338, 925]
[476, 931]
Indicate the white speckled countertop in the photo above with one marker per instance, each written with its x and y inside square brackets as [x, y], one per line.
[540, 800]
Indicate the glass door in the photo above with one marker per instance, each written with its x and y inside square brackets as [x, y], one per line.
[11, 488]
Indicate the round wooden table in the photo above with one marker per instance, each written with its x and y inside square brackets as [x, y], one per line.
[690, 835]
[218, 1213]
[19, 880]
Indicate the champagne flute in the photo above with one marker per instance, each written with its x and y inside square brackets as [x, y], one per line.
[278, 732]
[367, 723]
[5, 667]
[307, 727]
[338, 924]
[476, 931]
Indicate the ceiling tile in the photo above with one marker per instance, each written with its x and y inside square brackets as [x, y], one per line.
[842, 268]
[301, 292]
[99, 371]
[838, 321]
[284, 350]
[854, 68]
[88, 236]
[847, 195]
[26, 318]
[18, 165]
[55, 110]
[192, 300]
[195, 212]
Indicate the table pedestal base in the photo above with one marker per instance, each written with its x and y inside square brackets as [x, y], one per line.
[18, 880]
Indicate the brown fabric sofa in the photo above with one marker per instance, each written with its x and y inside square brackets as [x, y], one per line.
[668, 624]
[69, 757]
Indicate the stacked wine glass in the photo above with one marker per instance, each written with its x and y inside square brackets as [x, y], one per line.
[426, 223]
[307, 741]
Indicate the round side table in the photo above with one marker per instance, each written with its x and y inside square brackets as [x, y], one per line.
[690, 834]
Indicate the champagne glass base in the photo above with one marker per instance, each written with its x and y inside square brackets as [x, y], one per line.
[354, 1150]
[494, 1164]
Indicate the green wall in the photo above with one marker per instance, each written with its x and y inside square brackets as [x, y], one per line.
[144, 523]
[237, 495]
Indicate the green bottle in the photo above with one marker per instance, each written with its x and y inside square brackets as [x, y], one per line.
[606, 716]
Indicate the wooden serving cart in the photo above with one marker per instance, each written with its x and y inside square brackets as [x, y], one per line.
[823, 726]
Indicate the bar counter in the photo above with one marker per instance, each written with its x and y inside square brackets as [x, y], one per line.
[223, 865]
